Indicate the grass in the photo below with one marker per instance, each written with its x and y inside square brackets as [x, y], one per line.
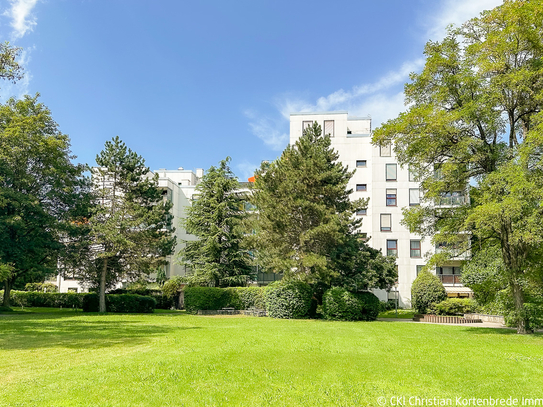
[402, 313]
[175, 359]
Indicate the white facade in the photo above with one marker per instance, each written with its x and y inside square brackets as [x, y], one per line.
[179, 186]
[388, 186]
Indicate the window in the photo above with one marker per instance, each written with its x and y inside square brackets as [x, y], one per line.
[412, 175]
[391, 172]
[386, 150]
[391, 197]
[361, 187]
[386, 222]
[329, 128]
[415, 248]
[392, 248]
[362, 212]
[306, 125]
[361, 163]
[419, 268]
[414, 196]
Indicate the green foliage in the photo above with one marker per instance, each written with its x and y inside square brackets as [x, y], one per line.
[40, 192]
[288, 299]
[426, 291]
[205, 298]
[5, 271]
[246, 297]
[217, 258]
[475, 115]
[41, 287]
[306, 223]
[387, 305]
[534, 314]
[454, 306]
[342, 305]
[10, 69]
[485, 275]
[171, 287]
[131, 223]
[123, 303]
[48, 299]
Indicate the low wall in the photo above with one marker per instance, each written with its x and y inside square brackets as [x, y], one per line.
[444, 319]
[486, 318]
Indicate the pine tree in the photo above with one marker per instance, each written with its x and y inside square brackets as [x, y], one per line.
[217, 257]
[307, 228]
[131, 224]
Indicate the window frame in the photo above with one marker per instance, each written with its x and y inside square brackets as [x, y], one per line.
[361, 166]
[384, 228]
[324, 127]
[363, 187]
[395, 198]
[393, 250]
[412, 250]
[395, 171]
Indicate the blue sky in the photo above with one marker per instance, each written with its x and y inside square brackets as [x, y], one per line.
[189, 83]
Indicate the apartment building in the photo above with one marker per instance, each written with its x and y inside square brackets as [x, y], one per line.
[389, 187]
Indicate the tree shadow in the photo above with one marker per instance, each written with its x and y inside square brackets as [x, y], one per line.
[63, 331]
[497, 331]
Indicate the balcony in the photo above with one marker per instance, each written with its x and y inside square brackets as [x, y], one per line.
[456, 198]
[450, 279]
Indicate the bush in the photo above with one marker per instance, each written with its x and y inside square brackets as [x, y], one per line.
[426, 291]
[340, 304]
[246, 297]
[125, 303]
[534, 314]
[41, 299]
[454, 306]
[387, 305]
[205, 298]
[288, 299]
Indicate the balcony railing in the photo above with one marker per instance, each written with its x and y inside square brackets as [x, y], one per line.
[450, 279]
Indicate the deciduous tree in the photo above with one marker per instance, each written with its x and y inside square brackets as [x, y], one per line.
[473, 119]
[39, 191]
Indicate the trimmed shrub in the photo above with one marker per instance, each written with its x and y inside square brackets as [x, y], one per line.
[123, 303]
[40, 299]
[246, 297]
[387, 305]
[205, 298]
[454, 306]
[343, 305]
[426, 291]
[290, 299]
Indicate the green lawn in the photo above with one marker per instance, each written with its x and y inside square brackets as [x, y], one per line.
[173, 359]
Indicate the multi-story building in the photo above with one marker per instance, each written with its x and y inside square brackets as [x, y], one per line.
[389, 187]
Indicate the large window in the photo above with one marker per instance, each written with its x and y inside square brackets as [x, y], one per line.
[391, 197]
[392, 248]
[386, 150]
[361, 187]
[414, 196]
[361, 163]
[391, 172]
[415, 248]
[329, 128]
[306, 124]
[386, 222]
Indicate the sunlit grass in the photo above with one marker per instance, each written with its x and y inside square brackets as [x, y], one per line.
[174, 359]
[401, 313]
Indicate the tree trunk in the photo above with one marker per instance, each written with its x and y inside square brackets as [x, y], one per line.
[7, 291]
[518, 299]
[102, 290]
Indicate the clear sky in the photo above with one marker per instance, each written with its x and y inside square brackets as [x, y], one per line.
[187, 83]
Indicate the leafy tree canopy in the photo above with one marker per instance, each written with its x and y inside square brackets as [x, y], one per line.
[474, 118]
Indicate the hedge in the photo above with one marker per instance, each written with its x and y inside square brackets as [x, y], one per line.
[162, 301]
[454, 306]
[288, 299]
[40, 299]
[343, 305]
[214, 298]
[125, 303]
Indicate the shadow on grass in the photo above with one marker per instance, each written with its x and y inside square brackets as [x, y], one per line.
[497, 331]
[59, 330]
